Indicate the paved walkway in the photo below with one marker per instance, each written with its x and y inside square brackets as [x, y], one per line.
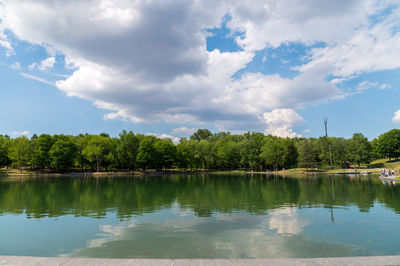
[377, 260]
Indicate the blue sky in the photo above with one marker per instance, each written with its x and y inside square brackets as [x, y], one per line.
[170, 67]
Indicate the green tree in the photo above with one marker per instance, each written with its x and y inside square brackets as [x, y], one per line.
[291, 152]
[375, 151]
[127, 149]
[339, 154]
[273, 152]
[227, 153]
[359, 149]
[4, 151]
[201, 134]
[41, 152]
[62, 153]
[186, 153]
[251, 150]
[98, 150]
[80, 142]
[21, 152]
[389, 144]
[146, 157]
[307, 154]
[206, 153]
[164, 152]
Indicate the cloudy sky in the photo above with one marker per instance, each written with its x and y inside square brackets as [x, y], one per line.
[169, 67]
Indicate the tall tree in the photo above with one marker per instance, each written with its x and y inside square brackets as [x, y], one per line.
[307, 154]
[127, 149]
[62, 153]
[251, 151]
[41, 152]
[4, 150]
[21, 152]
[273, 152]
[165, 153]
[339, 154]
[97, 149]
[389, 144]
[146, 157]
[201, 134]
[359, 149]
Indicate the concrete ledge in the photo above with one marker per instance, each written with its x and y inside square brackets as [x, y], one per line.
[370, 260]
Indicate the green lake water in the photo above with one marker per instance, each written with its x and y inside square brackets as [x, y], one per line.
[199, 216]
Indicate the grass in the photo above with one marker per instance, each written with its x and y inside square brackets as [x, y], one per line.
[384, 163]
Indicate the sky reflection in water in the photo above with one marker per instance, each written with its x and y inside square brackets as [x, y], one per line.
[199, 217]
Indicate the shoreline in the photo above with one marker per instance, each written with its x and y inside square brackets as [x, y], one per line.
[171, 172]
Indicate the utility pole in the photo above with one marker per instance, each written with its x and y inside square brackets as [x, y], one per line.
[326, 136]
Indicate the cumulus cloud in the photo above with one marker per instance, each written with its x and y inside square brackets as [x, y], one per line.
[271, 23]
[165, 136]
[280, 122]
[396, 117]
[20, 133]
[183, 131]
[147, 61]
[371, 48]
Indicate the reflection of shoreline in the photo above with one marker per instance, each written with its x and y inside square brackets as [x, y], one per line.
[203, 195]
[387, 180]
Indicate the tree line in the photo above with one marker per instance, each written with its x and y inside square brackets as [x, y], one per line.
[203, 150]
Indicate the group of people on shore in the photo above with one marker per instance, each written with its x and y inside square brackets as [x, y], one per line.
[388, 172]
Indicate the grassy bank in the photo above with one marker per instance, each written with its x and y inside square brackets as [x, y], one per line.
[374, 167]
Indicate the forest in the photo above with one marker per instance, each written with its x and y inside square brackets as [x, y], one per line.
[203, 150]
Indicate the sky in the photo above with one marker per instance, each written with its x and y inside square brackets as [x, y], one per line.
[169, 67]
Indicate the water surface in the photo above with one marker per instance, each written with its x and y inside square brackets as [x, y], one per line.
[199, 216]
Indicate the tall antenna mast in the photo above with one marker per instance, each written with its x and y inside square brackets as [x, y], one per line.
[326, 136]
[326, 126]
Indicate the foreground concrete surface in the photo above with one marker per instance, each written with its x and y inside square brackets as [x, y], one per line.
[376, 260]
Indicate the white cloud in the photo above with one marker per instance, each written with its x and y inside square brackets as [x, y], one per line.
[47, 63]
[147, 60]
[396, 117]
[280, 122]
[44, 64]
[4, 42]
[165, 136]
[371, 48]
[183, 131]
[365, 85]
[16, 65]
[264, 59]
[271, 23]
[385, 86]
[29, 76]
[32, 66]
[20, 133]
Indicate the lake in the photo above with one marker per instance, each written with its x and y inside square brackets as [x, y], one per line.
[199, 216]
